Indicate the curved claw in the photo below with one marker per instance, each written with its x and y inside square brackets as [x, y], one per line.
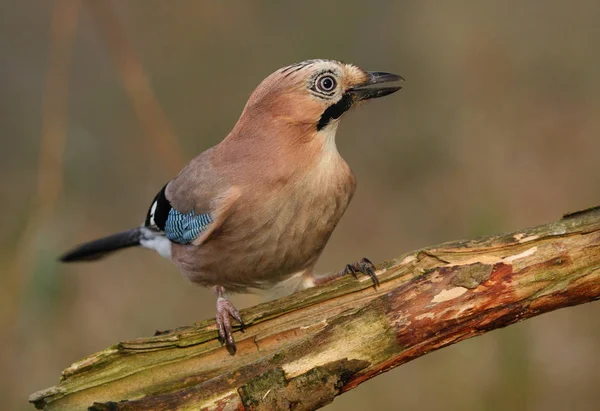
[364, 266]
[226, 310]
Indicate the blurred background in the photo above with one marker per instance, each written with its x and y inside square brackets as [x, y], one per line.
[497, 129]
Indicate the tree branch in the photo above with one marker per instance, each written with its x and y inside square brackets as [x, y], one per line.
[303, 350]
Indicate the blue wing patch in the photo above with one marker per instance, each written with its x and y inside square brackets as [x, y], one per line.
[185, 228]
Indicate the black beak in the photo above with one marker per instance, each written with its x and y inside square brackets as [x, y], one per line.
[373, 87]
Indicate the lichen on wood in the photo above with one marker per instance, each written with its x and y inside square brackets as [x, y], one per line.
[301, 351]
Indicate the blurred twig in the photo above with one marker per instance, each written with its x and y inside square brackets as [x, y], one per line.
[301, 351]
[53, 136]
[135, 80]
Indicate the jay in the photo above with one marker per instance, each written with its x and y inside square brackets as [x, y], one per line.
[259, 207]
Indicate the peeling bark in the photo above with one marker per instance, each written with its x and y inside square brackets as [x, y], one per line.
[301, 351]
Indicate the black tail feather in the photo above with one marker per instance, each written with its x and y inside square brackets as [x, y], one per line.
[99, 248]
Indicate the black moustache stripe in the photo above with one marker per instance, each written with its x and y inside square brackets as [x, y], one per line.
[334, 111]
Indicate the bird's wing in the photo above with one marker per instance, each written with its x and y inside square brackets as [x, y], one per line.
[193, 205]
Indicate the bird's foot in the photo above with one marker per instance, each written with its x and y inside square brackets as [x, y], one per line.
[364, 266]
[226, 310]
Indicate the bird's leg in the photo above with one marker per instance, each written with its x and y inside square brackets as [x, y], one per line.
[226, 310]
[364, 266]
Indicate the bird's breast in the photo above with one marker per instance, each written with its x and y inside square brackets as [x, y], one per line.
[276, 230]
[292, 225]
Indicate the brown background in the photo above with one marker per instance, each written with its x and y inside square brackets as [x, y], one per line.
[496, 129]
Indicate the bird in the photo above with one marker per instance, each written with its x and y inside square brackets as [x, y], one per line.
[259, 207]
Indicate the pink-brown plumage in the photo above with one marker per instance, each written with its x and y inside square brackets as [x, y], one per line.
[292, 187]
[281, 220]
[271, 193]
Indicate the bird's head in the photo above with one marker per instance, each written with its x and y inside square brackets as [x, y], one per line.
[314, 94]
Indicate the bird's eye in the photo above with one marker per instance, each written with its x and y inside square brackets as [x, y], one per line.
[326, 83]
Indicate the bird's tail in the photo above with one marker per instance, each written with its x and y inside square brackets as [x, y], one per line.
[97, 249]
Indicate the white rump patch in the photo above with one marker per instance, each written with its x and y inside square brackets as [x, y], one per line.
[156, 242]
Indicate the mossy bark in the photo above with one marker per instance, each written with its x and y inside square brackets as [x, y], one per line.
[301, 351]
